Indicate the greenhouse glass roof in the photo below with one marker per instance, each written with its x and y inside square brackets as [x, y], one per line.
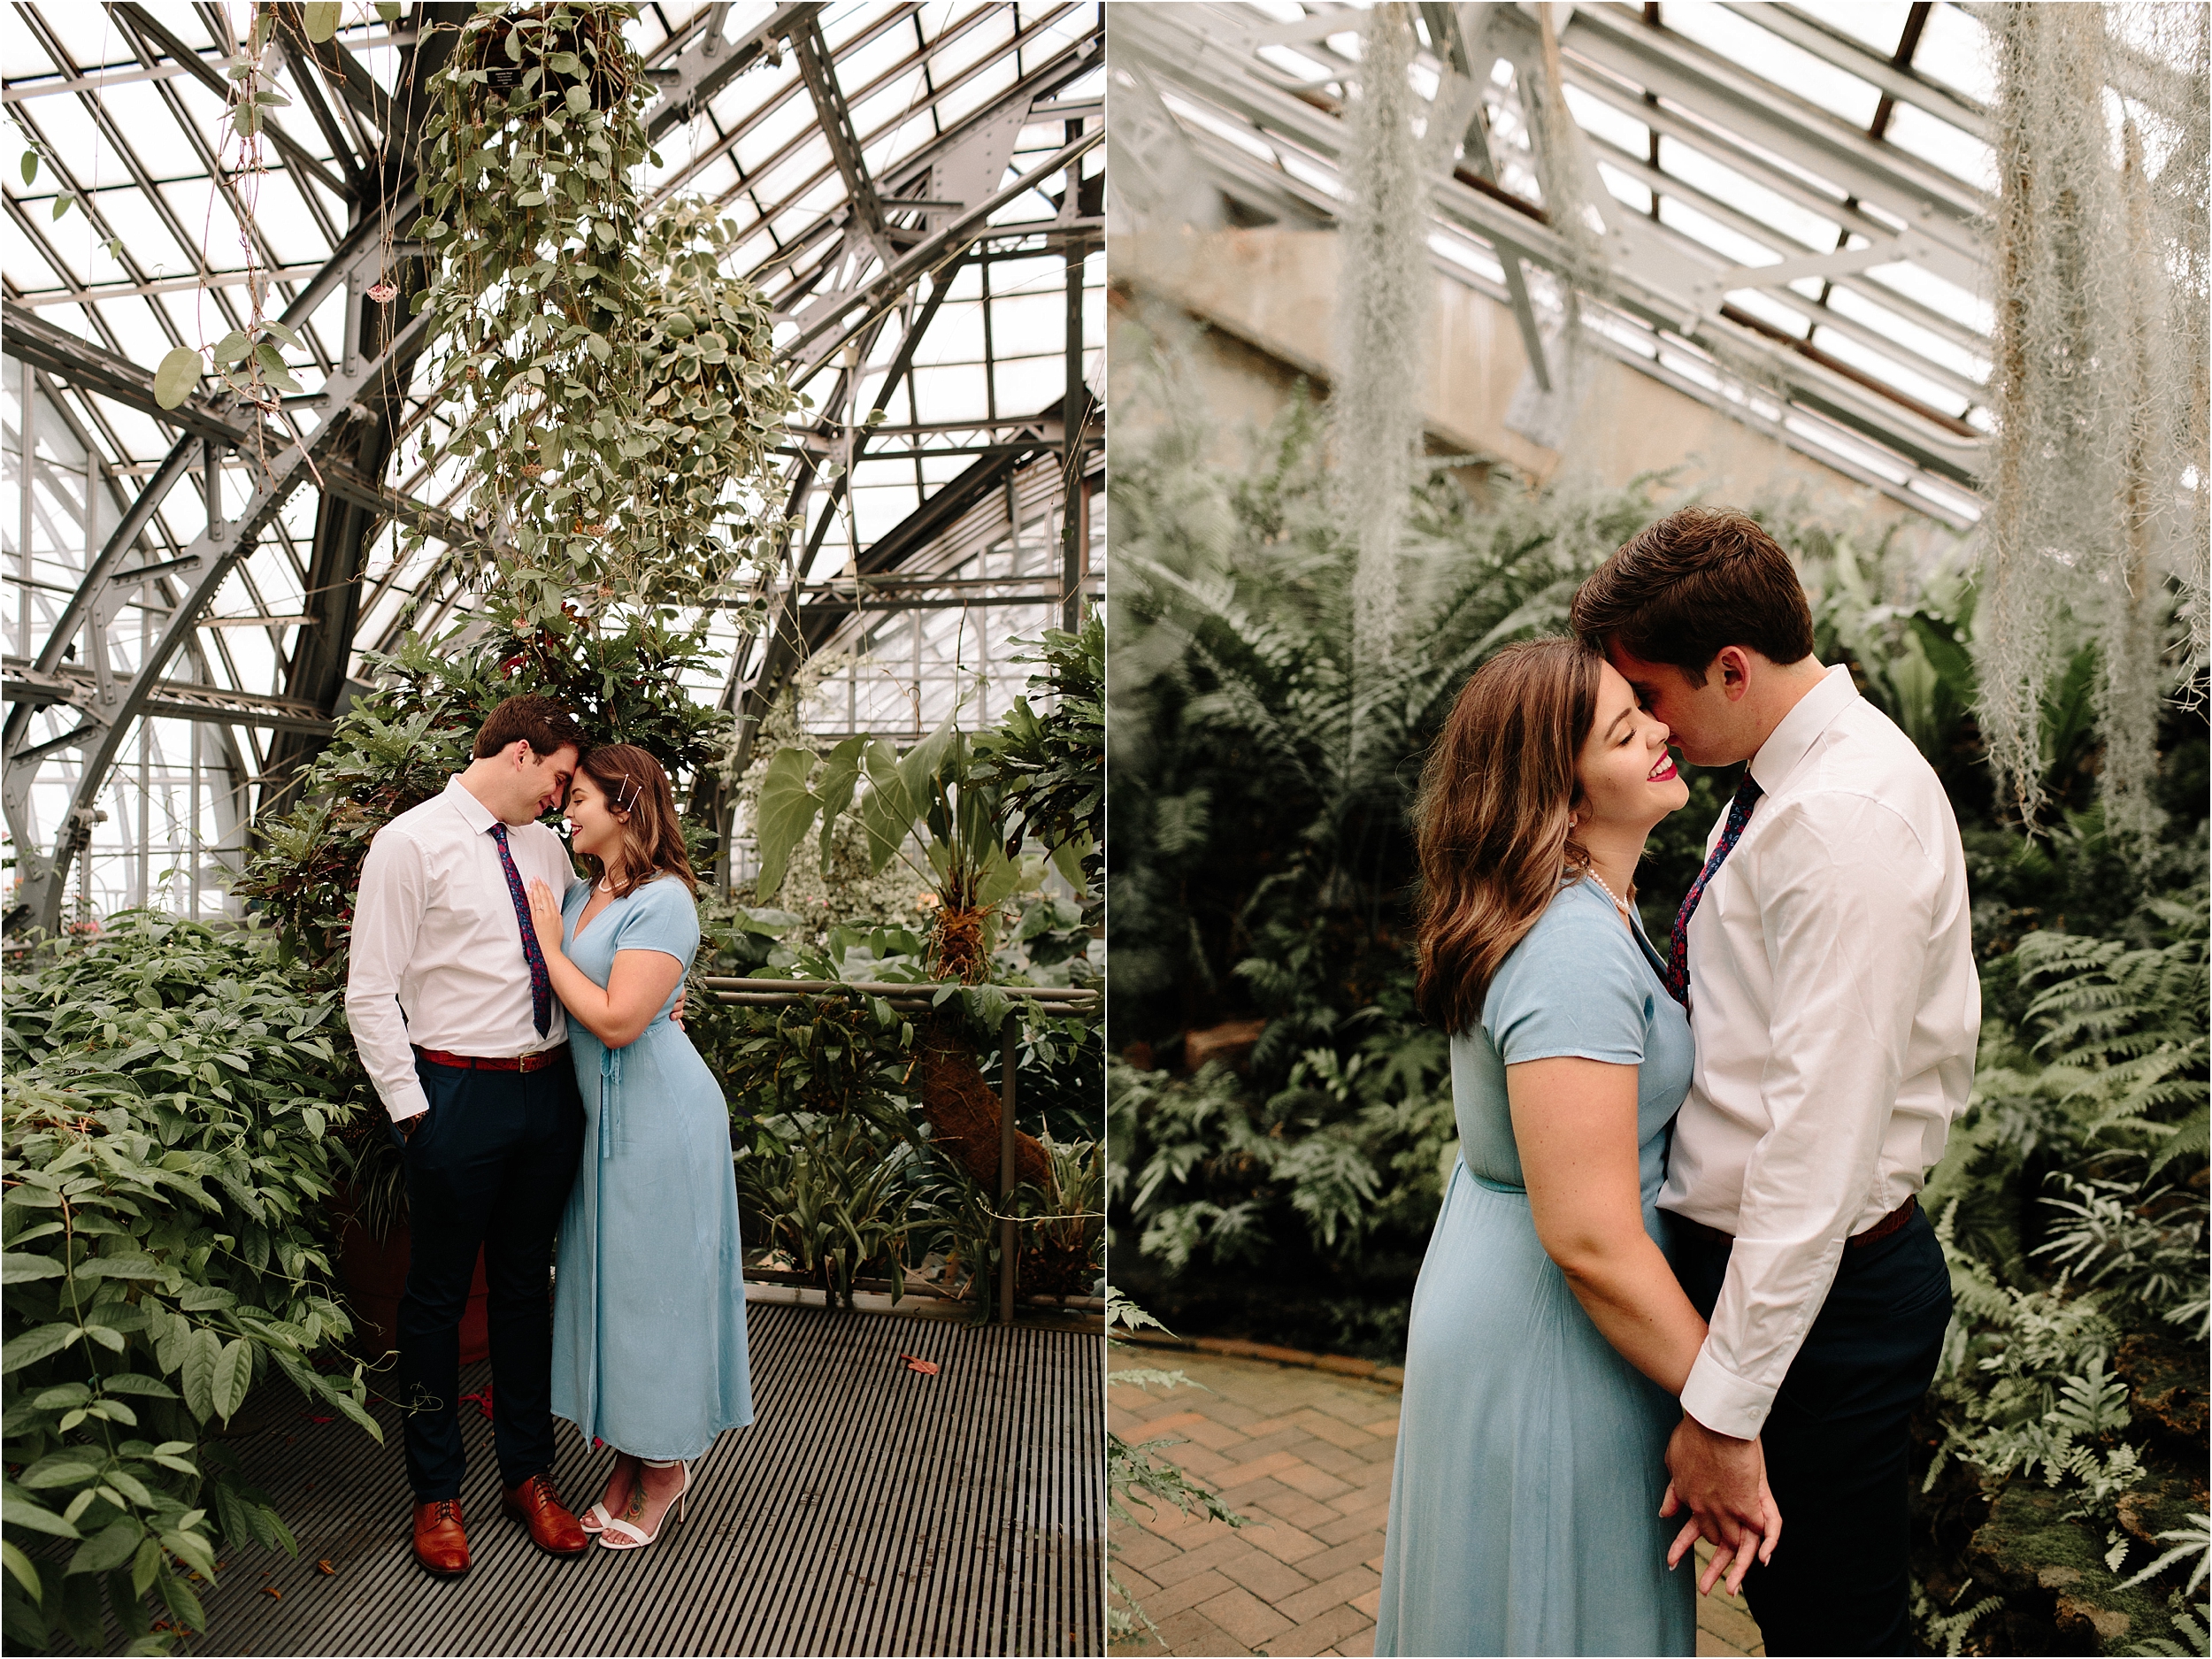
[1791, 193]
[900, 176]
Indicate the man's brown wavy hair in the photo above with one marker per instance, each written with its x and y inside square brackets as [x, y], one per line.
[1686, 586]
[633, 782]
[1494, 822]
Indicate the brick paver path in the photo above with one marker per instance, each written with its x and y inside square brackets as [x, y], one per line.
[1305, 1456]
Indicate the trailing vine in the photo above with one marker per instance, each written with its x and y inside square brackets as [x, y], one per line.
[615, 396]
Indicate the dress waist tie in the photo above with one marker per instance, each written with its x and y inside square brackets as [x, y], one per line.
[1496, 1187]
[610, 1090]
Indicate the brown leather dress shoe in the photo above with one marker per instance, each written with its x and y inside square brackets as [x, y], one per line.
[440, 1544]
[552, 1528]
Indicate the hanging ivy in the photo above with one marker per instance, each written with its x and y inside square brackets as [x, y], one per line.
[614, 395]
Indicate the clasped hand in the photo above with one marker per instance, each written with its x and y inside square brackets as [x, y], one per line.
[1723, 1482]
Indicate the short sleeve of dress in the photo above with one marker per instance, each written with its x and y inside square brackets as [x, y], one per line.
[1576, 986]
[664, 918]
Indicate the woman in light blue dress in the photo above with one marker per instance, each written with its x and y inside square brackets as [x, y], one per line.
[1548, 1336]
[649, 1305]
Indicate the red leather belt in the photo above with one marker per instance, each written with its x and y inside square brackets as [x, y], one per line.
[536, 1062]
[1881, 1229]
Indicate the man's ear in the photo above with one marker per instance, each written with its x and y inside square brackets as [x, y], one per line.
[1734, 664]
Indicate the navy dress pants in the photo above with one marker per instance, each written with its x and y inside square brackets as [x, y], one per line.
[491, 1165]
[1837, 1442]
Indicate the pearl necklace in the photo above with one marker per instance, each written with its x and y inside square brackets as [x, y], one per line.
[1619, 904]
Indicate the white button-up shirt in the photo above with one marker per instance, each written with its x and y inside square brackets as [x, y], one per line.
[436, 957]
[1835, 1005]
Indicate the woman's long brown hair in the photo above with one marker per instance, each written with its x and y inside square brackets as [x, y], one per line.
[653, 841]
[1493, 821]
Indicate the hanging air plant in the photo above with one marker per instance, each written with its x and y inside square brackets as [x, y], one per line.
[614, 394]
[1382, 307]
[2097, 475]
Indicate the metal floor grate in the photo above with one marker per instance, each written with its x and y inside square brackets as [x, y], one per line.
[869, 1510]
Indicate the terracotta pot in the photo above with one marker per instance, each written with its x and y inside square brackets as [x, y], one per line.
[375, 1276]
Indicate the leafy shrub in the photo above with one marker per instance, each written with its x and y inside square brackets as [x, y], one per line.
[834, 1198]
[173, 1099]
[398, 746]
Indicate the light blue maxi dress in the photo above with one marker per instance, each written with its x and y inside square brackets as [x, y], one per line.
[1524, 1504]
[649, 1300]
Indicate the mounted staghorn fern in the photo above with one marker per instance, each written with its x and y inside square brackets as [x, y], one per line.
[2097, 475]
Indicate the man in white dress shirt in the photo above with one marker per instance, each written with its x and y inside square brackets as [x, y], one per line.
[1826, 958]
[456, 1021]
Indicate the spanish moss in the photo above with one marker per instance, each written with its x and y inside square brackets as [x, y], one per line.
[1382, 305]
[2098, 386]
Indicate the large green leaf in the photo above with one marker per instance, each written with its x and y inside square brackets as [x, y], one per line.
[17, 1266]
[196, 1375]
[19, 1568]
[36, 1345]
[887, 813]
[998, 879]
[841, 772]
[785, 809]
[234, 1374]
[178, 374]
[319, 19]
[23, 1512]
[921, 763]
[111, 1546]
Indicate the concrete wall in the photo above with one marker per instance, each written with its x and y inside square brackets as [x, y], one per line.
[1247, 313]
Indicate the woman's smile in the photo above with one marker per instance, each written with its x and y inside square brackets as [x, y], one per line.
[1664, 770]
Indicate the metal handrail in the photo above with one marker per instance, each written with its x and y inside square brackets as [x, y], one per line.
[725, 984]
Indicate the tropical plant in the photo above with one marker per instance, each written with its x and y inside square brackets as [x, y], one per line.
[1051, 767]
[175, 1100]
[935, 795]
[833, 1197]
[616, 395]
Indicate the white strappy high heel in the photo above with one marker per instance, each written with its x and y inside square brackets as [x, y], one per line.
[637, 1538]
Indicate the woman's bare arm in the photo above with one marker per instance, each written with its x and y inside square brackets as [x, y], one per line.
[636, 986]
[1575, 1123]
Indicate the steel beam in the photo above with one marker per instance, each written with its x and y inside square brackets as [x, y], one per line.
[207, 562]
[707, 62]
[31, 687]
[837, 317]
[139, 21]
[1801, 29]
[834, 121]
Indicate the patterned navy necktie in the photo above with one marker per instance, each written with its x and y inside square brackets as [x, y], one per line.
[541, 981]
[1748, 794]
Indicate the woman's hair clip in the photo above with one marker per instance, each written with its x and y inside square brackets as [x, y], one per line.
[628, 795]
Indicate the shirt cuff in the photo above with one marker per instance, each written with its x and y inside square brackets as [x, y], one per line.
[1724, 1401]
[411, 1103]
